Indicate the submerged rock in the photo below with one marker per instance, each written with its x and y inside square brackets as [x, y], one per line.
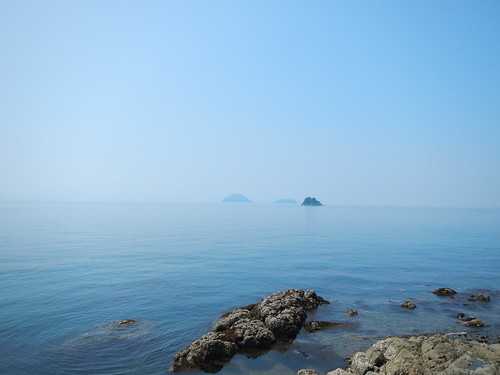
[126, 322]
[352, 312]
[425, 355]
[444, 292]
[465, 318]
[311, 201]
[278, 317]
[318, 325]
[479, 297]
[408, 304]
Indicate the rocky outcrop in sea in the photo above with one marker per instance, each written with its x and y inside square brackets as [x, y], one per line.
[250, 329]
[311, 201]
[236, 198]
[286, 201]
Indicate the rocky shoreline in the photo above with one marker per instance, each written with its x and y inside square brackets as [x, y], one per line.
[423, 355]
[254, 329]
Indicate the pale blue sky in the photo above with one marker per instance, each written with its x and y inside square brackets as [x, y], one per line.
[364, 103]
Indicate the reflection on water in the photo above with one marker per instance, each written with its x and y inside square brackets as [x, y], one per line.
[69, 272]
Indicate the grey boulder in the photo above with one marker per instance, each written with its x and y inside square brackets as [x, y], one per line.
[425, 355]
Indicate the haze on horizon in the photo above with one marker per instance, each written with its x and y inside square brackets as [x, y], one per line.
[357, 103]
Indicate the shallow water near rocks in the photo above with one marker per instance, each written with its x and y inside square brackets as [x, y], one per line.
[70, 272]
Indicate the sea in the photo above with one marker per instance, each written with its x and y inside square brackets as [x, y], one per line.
[70, 271]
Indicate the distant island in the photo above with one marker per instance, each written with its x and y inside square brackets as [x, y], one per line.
[286, 201]
[236, 198]
[311, 201]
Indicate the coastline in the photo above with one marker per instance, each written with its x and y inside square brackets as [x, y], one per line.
[424, 354]
[255, 329]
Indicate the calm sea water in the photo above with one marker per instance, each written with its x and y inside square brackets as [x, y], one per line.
[69, 271]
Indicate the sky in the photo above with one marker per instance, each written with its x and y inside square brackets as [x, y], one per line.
[355, 102]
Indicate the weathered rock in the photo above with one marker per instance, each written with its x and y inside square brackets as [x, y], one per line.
[208, 353]
[479, 297]
[278, 317]
[469, 321]
[364, 362]
[444, 292]
[352, 312]
[307, 371]
[408, 304]
[252, 334]
[285, 313]
[473, 323]
[227, 320]
[425, 355]
[318, 325]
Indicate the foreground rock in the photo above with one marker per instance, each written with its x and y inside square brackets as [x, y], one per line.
[278, 317]
[425, 355]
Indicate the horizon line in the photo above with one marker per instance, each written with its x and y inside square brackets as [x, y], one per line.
[252, 202]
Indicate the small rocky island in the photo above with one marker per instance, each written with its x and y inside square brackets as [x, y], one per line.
[236, 198]
[311, 201]
[285, 201]
[251, 329]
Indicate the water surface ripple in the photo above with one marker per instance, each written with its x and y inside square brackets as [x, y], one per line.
[68, 272]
